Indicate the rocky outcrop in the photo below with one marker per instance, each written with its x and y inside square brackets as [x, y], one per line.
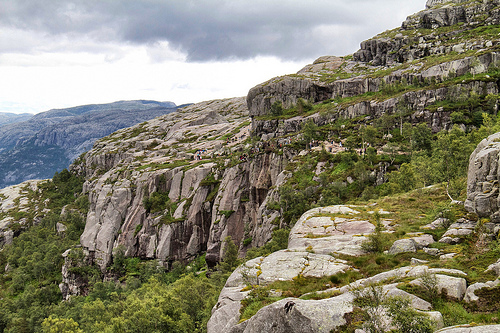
[319, 230]
[403, 246]
[470, 295]
[483, 179]
[289, 89]
[313, 244]
[452, 287]
[409, 43]
[304, 316]
[14, 200]
[141, 202]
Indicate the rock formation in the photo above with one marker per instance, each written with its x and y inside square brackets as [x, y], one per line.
[177, 157]
[483, 178]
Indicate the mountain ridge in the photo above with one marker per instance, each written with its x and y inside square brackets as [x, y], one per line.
[51, 140]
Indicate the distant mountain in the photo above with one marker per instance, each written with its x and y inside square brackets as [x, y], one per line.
[11, 118]
[49, 141]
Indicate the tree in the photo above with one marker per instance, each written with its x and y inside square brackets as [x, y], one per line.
[422, 138]
[277, 109]
[453, 149]
[369, 134]
[310, 130]
[403, 180]
[60, 325]
[230, 258]
[402, 109]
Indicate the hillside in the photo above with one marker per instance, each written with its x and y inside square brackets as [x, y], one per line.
[9, 118]
[358, 195]
[49, 141]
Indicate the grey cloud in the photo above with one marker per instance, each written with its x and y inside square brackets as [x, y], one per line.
[212, 29]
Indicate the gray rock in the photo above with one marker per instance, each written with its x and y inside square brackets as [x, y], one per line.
[483, 162]
[453, 287]
[436, 224]
[470, 295]
[436, 317]
[415, 261]
[447, 256]
[317, 231]
[471, 329]
[226, 313]
[61, 228]
[450, 240]
[304, 316]
[285, 265]
[403, 246]
[495, 267]
[423, 241]
[432, 251]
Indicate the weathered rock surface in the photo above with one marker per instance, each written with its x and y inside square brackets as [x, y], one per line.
[470, 295]
[436, 224]
[15, 198]
[320, 231]
[454, 287]
[304, 316]
[483, 179]
[403, 246]
[284, 265]
[471, 329]
[207, 202]
[495, 267]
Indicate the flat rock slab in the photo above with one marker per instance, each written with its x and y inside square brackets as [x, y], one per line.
[320, 231]
[284, 265]
[471, 329]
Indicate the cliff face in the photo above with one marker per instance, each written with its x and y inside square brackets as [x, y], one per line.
[177, 185]
[422, 63]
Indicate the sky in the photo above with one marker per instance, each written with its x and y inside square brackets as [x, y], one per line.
[63, 53]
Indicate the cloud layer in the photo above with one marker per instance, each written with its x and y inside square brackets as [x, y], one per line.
[201, 30]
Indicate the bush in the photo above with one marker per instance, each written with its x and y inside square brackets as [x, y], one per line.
[376, 240]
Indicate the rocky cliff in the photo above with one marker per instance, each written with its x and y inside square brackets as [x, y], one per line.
[412, 66]
[177, 185]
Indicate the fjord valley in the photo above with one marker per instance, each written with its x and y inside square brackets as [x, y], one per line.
[358, 195]
[37, 146]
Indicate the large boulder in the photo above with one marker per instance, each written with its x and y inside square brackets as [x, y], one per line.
[453, 287]
[470, 295]
[403, 246]
[483, 180]
[302, 316]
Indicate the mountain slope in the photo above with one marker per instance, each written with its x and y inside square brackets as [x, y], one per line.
[9, 118]
[50, 141]
[319, 181]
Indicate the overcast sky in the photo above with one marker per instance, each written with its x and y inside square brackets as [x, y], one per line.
[62, 53]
